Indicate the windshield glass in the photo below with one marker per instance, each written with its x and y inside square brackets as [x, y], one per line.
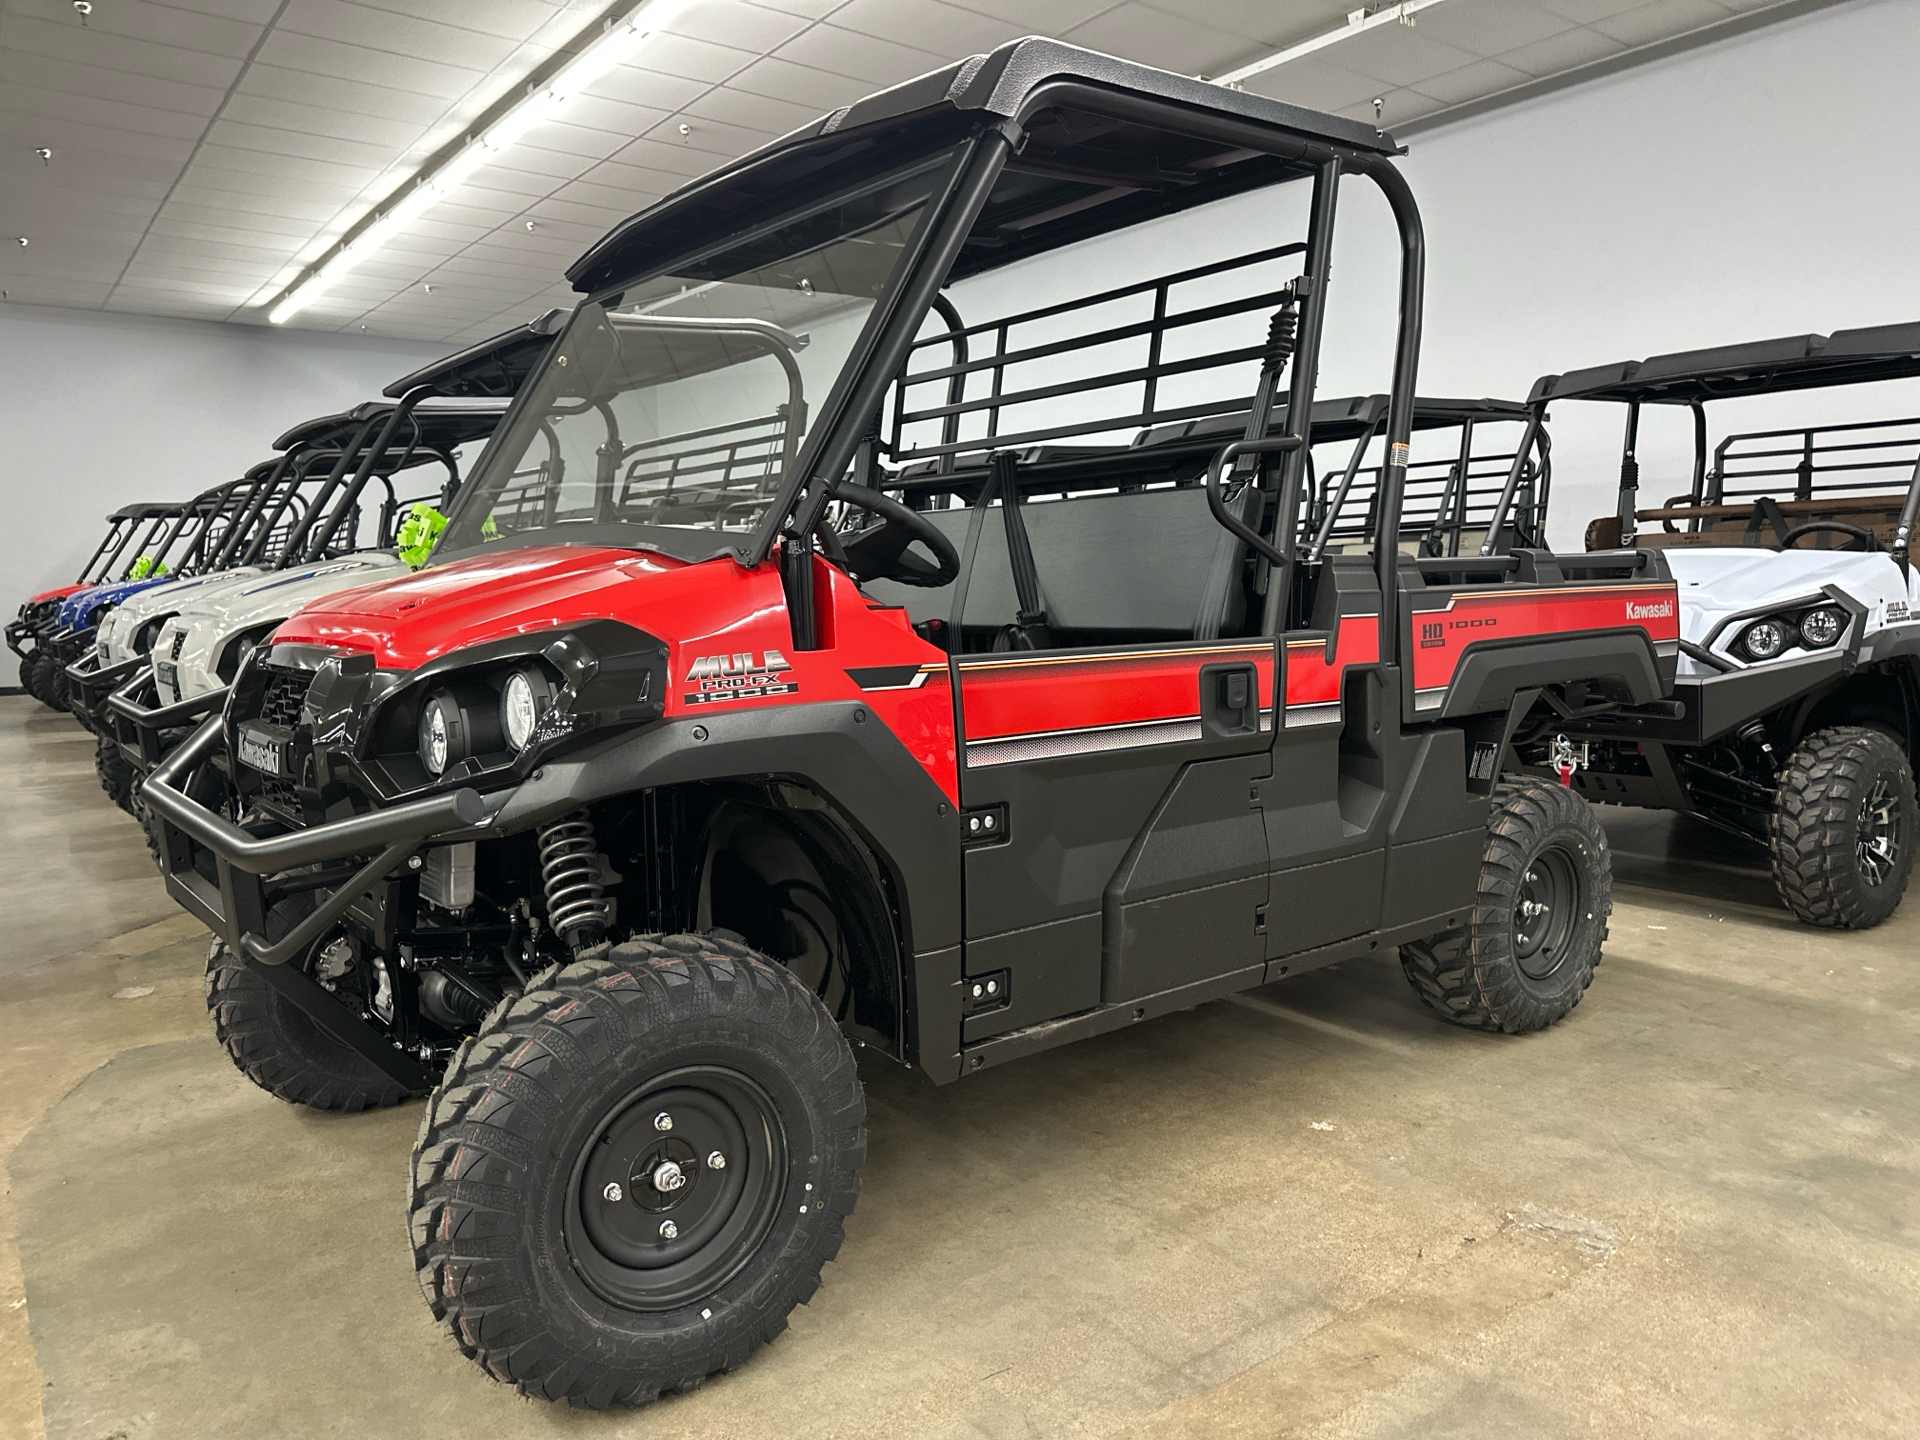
[670, 415]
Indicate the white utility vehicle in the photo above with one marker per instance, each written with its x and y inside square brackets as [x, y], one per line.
[1797, 706]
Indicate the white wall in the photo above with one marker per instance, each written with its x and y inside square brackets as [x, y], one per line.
[1762, 186]
[98, 410]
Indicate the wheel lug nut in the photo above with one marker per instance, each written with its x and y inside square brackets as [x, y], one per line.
[716, 1161]
[668, 1230]
[613, 1191]
[663, 1121]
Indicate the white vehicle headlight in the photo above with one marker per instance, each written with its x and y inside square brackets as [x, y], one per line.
[518, 710]
[433, 739]
[1764, 639]
[1822, 626]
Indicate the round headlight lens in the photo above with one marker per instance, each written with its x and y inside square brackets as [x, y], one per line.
[433, 738]
[1822, 626]
[1764, 639]
[518, 710]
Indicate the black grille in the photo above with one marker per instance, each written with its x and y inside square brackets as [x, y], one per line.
[285, 692]
[179, 644]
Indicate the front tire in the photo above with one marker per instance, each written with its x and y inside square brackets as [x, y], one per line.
[548, 1236]
[115, 775]
[277, 1045]
[49, 682]
[1843, 828]
[1529, 952]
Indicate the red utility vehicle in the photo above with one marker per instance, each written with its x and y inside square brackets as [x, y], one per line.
[824, 654]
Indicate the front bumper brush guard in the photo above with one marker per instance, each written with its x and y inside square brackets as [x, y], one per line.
[139, 727]
[234, 904]
[90, 685]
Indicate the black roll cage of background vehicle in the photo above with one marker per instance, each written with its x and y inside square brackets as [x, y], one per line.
[1691, 378]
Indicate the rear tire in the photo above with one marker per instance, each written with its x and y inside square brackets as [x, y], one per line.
[1843, 828]
[543, 1234]
[277, 1045]
[1529, 952]
[115, 775]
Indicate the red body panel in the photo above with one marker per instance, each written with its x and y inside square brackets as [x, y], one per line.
[59, 592]
[1314, 677]
[1441, 636]
[713, 611]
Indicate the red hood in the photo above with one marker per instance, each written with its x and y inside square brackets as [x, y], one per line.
[409, 621]
[59, 592]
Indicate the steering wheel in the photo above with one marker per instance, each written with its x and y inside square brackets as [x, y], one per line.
[879, 552]
[1865, 538]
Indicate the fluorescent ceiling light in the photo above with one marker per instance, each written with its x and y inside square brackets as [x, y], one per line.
[1358, 23]
[618, 43]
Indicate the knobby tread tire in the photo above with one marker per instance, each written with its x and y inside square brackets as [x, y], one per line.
[1470, 976]
[278, 1046]
[490, 1169]
[1814, 831]
[49, 682]
[115, 775]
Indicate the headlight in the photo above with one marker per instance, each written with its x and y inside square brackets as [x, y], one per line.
[456, 724]
[523, 700]
[1822, 626]
[1764, 639]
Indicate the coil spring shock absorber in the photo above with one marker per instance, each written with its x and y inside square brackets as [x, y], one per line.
[570, 875]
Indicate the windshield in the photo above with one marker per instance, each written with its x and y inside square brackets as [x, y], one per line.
[670, 415]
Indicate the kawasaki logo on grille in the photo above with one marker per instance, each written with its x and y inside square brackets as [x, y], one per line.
[1662, 610]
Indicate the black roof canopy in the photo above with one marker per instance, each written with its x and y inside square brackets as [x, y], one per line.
[441, 427]
[495, 368]
[1757, 367]
[1079, 173]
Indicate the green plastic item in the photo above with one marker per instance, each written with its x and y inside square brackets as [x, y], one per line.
[489, 530]
[417, 534]
[145, 569]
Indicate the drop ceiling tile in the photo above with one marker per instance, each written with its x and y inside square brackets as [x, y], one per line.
[860, 57]
[511, 19]
[29, 35]
[25, 290]
[322, 174]
[709, 144]
[797, 84]
[85, 166]
[1041, 17]
[806, 9]
[353, 62]
[613, 117]
[192, 190]
[1585, 12]
[1397, 55]
[24, 133]
[935, 27]
[200, 222]
[753, 112]
[1139, 32]
[558, 145]
[110, 207]
[498, 186]
[302, 144]
[1316, 83]
[652, 89]
[254, 12]
[53, 110]
[1660, 21]
[1489, 27]
[162, 24]
[1270, 25]
[235, 249]
[690, 59]
[738, 26]
[340, 96]
[563, 207]
[1561, 52]
[389, 136]
[623, 199]
[653, 165]
[1472, 82]
[19, 67]
[395, 33]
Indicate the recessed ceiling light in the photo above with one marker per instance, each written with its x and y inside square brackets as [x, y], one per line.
[617, 43]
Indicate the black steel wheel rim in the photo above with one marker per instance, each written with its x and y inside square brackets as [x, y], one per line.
[660, 1214]
[1544, 912]
[1881, 832]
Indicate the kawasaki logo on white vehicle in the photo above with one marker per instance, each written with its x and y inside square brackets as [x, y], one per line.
[1661, 610]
